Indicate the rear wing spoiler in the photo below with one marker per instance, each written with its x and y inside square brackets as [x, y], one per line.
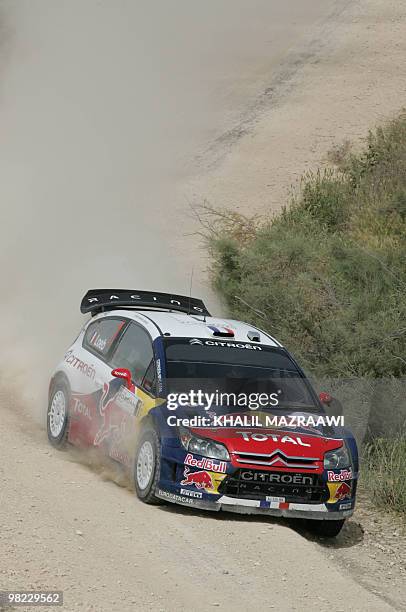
[99, 300]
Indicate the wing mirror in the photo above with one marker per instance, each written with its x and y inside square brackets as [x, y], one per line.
[334, 405]
[123, 373]
[325, 398]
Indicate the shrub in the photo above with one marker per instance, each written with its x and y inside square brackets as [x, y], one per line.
[327, 275]
[384, 461]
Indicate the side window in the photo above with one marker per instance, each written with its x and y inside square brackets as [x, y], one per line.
[101, 334]
[135, 353]
[149, 380]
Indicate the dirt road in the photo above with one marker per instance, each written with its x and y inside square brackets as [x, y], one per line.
[65, 528]
[344, 78]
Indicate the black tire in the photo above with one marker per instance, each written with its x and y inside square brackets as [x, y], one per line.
[146, 493]
[326, 529]
[58, 440]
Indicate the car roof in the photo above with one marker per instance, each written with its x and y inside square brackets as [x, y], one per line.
[190, 325]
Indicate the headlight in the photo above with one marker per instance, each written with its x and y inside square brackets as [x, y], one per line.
[336, 459]
[203, 446]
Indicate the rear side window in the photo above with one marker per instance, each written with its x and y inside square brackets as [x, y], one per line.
[135, 353]
[101, 334]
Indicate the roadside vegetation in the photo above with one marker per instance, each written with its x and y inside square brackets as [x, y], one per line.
[385, 467]
[327, 276]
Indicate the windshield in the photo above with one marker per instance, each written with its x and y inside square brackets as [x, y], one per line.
[236, 369]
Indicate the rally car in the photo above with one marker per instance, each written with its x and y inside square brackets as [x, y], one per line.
[166, 390]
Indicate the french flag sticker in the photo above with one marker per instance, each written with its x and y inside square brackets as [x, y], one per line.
[221, 331]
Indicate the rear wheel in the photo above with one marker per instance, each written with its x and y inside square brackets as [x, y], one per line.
[326, 529]
[146, 466]
[58, 415]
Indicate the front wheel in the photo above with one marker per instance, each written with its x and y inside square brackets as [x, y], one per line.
[146, 466]
[58, 415]
[326, 529]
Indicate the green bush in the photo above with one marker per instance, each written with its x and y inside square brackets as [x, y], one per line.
[384, 461]
[327, 275]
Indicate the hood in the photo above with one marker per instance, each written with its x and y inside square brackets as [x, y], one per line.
[250, 444]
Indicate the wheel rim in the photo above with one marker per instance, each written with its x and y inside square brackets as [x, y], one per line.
[57, 414]
[145, 464]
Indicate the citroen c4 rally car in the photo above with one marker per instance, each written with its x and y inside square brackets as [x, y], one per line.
[124, 386]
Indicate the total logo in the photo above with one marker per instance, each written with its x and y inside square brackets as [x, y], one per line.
[80, 408]
[263, 437]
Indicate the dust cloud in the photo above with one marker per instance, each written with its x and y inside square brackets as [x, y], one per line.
[103, 109]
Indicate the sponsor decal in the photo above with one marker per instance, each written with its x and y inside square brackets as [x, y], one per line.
[263, 437]
[128, 401]
[343, 491]
[102, 344]
[339, 491]
[159, 374]
[345, 506]
[206, 464]
[174, 497]
[118, 434]
[333, 476]
[271, 498]
[80, 408]
[221, 331]
[190, 493]
[148, 297]
[97, 341]
[80, 365]
[107, 410]
[118, 455]
[240, 345]
[201, 479]
[300, 479]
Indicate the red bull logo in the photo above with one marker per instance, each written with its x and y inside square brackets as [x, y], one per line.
[343, 491]
[206, 464]
[106, 409]
[339, 491]
[201, 479]
[339, 476]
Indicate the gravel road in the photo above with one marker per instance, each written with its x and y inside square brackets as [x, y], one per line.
[66, 527]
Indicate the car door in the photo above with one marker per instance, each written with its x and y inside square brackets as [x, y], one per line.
[123, 406]
[89, 396]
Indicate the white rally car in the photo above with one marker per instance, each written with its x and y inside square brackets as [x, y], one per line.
[125, 386]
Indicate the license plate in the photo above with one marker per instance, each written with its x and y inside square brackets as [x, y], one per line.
[270, 498]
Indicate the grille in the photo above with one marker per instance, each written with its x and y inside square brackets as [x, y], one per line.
[293, 486]
[308, 463]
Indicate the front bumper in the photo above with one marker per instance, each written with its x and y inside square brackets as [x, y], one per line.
[248, 506]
